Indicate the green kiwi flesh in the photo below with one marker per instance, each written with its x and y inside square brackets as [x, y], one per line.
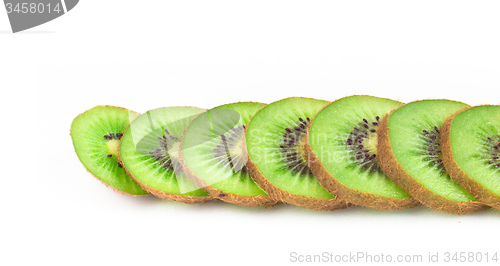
[214, 153]
[471, 148]
[275, 141]
[410, 154]
[150, 149]
[343, 145]
[96, 134]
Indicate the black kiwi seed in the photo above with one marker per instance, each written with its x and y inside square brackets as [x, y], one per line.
[228, 141]
[431, 149]
[359, 153]
[161, 154]
[492, 151]
[111, 136]
[291, 145]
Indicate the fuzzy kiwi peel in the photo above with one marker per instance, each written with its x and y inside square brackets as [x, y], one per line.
[281, 195]
[149, 153]
[169, 196]
[414, 187]
[208, 134]
[338, 121]
[355, 196]
[275, 137]
[96, 135]
[458, 174]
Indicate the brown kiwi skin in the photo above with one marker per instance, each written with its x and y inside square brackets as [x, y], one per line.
[458, 175]
[169, 196]
[251, 201]
[164, 195]
[398, 175]
[352, 195]
[294, 199]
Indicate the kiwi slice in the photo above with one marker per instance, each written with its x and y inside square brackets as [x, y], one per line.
[96, 135]
[214, 155]
[343, 153]
[410, 154]
[471, 147]
[275, 140]
[150, 149]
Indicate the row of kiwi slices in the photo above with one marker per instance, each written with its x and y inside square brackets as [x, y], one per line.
[357, 150]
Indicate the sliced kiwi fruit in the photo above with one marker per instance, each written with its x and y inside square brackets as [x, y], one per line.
[343, 153]
[410, 154]
[96, 135]
[275, 141]
[471, 146]
[149, 151]
[214, 155]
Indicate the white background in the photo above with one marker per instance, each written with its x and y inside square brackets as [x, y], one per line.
[147, 54]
